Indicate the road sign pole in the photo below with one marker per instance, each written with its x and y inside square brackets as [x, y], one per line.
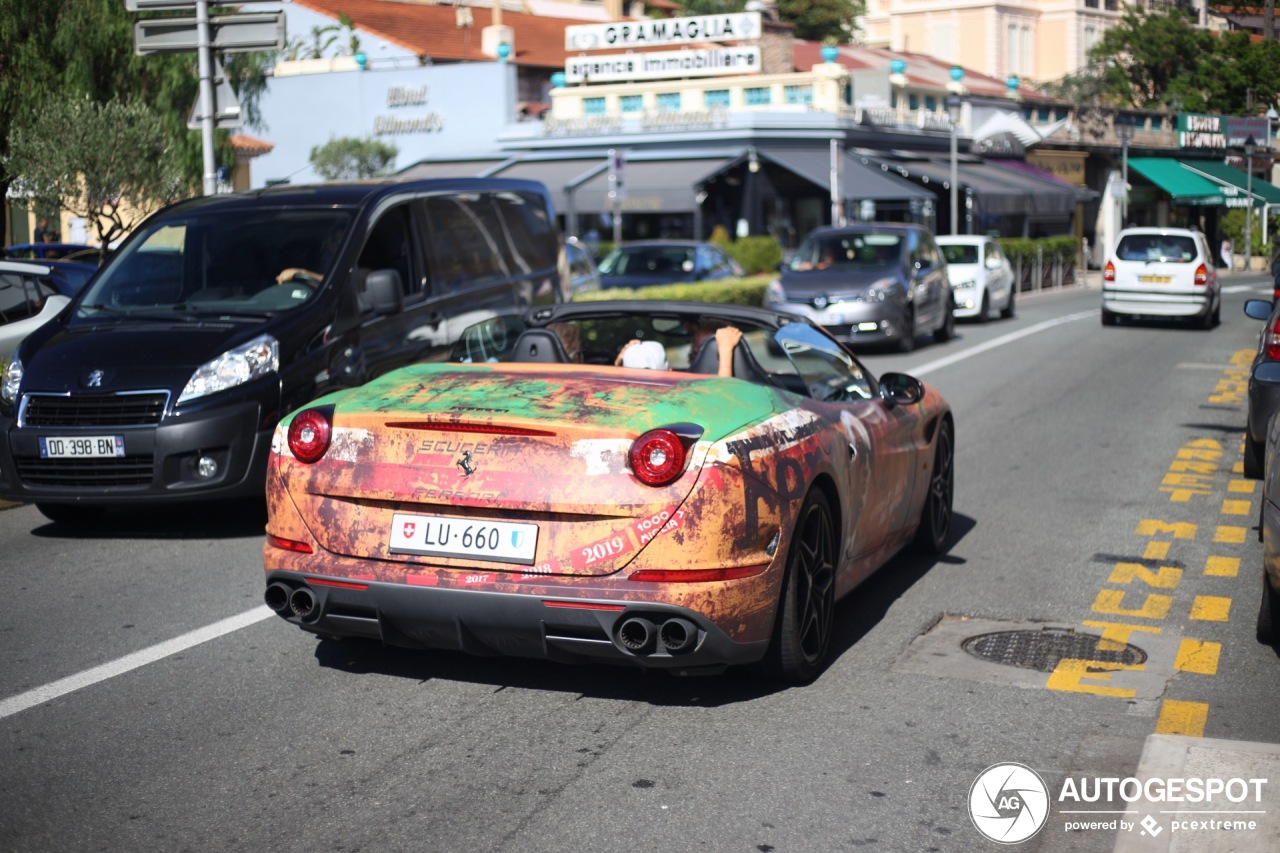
[204, 53]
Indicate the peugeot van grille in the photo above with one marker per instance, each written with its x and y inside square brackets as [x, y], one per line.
[137, 408]
[68, 473]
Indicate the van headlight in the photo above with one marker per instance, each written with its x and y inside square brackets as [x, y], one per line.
[12, 380]
[774, 294]
[259, 357]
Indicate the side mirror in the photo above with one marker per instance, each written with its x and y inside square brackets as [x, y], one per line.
[383, 292]
[899, 389]
[1258, 309]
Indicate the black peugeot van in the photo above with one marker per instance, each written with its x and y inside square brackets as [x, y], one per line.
[164, 379]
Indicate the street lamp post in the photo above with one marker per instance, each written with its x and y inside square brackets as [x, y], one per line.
[954, 105]
[1125, 132]
[1250, 147]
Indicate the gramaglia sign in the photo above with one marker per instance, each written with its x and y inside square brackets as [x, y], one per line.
[659, 31]
[662, 64]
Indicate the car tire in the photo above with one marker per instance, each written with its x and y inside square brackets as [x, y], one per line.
[1217, 313]
[934, 531]
[1109, 318]
[806, 604]
[1007, 312]
[947, 330]
[1254, 457]
[1268, 614]
[908, 340]
[71, 513]
[984, 313]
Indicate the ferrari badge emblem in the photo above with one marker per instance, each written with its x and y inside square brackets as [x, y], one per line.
[465, 464]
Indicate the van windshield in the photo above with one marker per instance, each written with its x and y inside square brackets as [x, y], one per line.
[848, 251]
[249, 263]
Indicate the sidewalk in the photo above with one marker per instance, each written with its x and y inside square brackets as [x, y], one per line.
[1219, 826]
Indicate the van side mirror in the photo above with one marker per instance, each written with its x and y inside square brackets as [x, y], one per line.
[383, 292]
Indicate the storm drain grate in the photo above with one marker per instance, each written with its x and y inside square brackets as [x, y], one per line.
[1043, 649]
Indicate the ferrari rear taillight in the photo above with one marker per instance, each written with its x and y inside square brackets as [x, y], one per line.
[658, 457]
[1109, 274]
[1273, 340]
[1202, 275]
[309, 435]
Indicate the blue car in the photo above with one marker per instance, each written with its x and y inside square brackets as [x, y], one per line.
[648, 262]
[45, 251]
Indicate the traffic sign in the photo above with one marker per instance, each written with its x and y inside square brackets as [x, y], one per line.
[226, 107]
[227, 33]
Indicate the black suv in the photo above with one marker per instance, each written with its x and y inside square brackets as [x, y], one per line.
[165, 377]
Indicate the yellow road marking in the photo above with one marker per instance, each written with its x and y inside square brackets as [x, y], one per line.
[1156, 551]
[1154, 607]
[1211, 608]
[1166, 578]
[1225, 535]
[1182, 718]
[1242, 487]
[1237, 507]
[1068, 677]
[1198, 656]
[1222, 567]
[1237, 468]
[1179, 529]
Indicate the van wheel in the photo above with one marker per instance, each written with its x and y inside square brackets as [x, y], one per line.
[71, 513]
[1254, 455]
[1108, 318]
[1268, 613]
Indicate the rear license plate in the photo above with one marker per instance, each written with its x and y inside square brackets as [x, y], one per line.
[82, 447]
[1155, 279]
[440, 536]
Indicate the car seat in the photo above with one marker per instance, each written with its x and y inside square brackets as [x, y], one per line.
[540, 346]
[707, 360]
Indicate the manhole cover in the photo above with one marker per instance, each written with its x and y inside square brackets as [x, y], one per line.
[1043, 649]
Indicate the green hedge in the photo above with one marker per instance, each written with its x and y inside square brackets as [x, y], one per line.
[1063, 248]
[726, 291]
[756, 254]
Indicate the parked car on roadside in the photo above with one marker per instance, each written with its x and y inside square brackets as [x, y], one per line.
[645, 263]
[32, 293]
[981, 276]
[40, 251]
[1161, 273]
[584, 277]
[870, 283]
[165, 377]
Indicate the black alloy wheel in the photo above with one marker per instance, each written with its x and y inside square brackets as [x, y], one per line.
[908, 340]
[806, 607]
[935, 517]
[947, 330]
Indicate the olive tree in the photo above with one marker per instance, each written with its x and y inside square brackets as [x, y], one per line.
[349, 158]
[109, 162]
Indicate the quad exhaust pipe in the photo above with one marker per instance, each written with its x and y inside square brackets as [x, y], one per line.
[287, 601]
[641, 636]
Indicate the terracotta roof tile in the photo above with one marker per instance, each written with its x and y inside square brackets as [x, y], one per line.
[431, 31]
[250, 145]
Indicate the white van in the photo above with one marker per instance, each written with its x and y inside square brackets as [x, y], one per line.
[1161, 272]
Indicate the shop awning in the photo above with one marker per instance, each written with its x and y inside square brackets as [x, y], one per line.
[470, 168]
[560, 176]
[652, 186]
[996, 191]
[1264, 192]
[858, 181]
[1183, 185]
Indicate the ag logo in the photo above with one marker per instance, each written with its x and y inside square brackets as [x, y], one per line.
[1008, 803]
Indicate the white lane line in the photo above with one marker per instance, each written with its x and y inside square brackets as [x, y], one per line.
[120, 666]
[949, 360]
[1244, 288]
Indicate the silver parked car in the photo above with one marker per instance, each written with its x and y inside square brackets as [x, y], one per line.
[869, 283]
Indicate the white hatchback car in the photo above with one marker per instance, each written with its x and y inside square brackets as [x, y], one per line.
[1161, 272]
[981, 276]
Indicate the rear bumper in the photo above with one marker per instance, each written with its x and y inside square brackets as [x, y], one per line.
[1157, 304]
[491, 623]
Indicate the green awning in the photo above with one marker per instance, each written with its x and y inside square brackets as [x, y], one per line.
[1237, 182]
[1183, 185]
